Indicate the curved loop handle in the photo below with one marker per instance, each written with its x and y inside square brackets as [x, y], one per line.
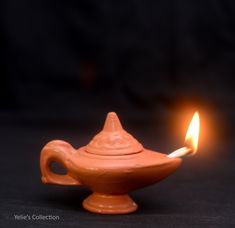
[57, 151]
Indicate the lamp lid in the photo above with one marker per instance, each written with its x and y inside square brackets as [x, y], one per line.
[113, 139]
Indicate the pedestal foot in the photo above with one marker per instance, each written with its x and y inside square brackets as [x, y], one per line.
[109, 204]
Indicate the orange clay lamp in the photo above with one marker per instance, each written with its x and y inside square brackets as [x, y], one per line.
[113, 164]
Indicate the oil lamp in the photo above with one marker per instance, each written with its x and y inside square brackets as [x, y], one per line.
[112, 164]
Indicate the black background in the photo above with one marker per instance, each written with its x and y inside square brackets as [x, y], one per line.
[65, 64]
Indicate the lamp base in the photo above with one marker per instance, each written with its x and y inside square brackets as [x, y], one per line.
[109, 204]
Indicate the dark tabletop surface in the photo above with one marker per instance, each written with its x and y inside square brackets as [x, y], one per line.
[200, 193]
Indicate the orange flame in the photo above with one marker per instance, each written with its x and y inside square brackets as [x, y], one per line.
[192, 135]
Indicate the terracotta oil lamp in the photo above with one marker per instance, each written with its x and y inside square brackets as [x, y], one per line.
[111, 165]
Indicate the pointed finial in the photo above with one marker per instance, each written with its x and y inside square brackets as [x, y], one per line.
[112, 123]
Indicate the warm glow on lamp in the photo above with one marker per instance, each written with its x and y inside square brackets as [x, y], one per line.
[191, 139]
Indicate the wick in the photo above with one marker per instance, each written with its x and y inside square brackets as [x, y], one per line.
[180, 152]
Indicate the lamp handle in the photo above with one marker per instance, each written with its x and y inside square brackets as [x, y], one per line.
[61, 152]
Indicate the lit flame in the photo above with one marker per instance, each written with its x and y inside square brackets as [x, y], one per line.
[192, 135]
